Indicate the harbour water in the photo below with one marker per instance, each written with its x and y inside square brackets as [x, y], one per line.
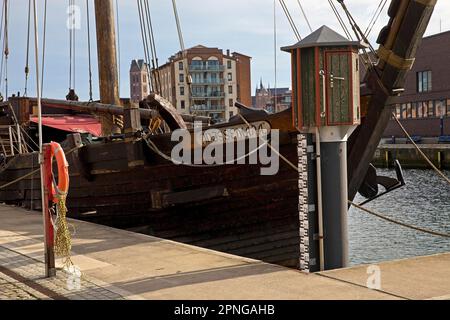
[423, 202]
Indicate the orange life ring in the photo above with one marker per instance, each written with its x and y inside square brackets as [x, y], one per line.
[62, 187]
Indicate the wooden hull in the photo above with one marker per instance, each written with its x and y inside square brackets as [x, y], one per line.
[230, 208]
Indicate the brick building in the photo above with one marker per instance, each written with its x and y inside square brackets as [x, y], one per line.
[267, 98]
[217, 79]
[424, 107]
[139, 86]
[280, 101]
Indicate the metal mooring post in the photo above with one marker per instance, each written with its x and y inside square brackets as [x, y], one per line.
[335, 210]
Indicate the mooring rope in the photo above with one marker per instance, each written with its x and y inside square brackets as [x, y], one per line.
[34, 171]
[379, 215]
[155, 148]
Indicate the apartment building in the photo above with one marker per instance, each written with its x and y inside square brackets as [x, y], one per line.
[206, 82]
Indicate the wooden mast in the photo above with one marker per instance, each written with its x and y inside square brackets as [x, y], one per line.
[107, 61]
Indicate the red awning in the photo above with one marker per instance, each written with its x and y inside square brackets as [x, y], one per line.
[78, 123]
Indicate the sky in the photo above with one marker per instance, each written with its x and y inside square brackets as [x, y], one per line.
[245, 26]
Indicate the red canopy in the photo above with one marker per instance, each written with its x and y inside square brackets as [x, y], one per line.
[78, 123]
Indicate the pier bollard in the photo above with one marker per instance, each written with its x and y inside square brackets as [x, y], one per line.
[386, 158]
[439, 156]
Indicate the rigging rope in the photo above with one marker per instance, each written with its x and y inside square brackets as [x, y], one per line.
[3, 49]
[375, 17]
[275, 46]
[340, 20]
[145, 40]
[152, 47]
[44, 41]
[72, 50]
[420, 151]
[155, 62]
[27, 64]
[290, 20]
[304, 15]
[6, 45]
[89, 49]
[356, 29]
[183, 53]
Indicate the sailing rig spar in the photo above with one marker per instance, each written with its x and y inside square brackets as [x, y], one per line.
[123, 179]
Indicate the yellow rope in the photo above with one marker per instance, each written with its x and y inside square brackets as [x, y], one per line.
[63, 240]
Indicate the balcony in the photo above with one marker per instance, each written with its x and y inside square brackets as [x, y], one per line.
[202, 68]
[206, 95]
[197, 82]
[203, 107]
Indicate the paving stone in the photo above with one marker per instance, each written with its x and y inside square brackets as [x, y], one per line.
[32, 270]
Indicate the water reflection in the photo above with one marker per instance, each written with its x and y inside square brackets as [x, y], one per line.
[424, 202]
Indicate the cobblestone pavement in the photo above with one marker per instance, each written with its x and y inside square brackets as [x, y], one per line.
[21, 278]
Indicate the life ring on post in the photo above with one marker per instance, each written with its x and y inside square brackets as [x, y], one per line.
[61, 188]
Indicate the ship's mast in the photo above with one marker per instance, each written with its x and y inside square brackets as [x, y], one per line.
[107, 61]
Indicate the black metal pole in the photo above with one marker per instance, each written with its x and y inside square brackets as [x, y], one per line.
[335, 209]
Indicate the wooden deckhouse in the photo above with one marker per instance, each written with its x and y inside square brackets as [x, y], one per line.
[325, 58]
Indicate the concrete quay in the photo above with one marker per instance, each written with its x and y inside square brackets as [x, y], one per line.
[117, 264]
[410, 158]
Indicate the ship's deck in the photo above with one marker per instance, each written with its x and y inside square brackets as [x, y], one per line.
[136, 266]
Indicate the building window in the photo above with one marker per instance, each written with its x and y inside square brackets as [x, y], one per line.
[403, 115]
[181, 91]
[424, 81]
[230, 76]
[231, 114]
[145, 89]
[408, 110]
[183, 104]
[180, 66]
[414, 110]
[181, 77]
[229, 64]
[431, 112]
[397, 111]
[448, 108]
[144, 79]
[424, 109]
[440, 108]
[231, 103]
[419, 110]
[230, 89]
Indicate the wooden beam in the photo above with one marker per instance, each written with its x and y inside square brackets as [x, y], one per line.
[406, 32]
[107, 61]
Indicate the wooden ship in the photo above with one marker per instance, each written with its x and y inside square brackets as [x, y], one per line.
[122, 181]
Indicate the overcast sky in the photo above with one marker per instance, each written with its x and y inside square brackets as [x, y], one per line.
[244, 26]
